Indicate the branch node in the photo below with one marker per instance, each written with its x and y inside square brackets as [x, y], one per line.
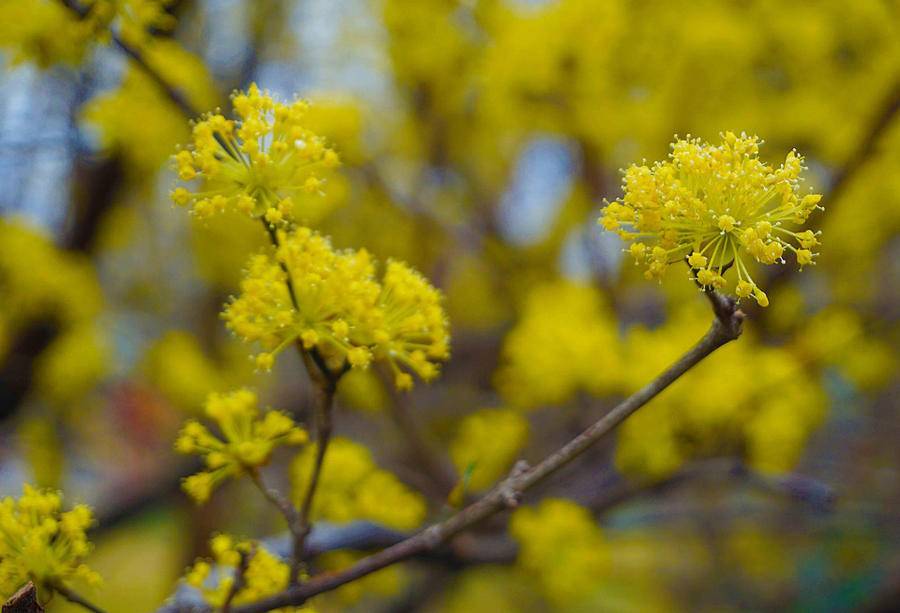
[509, 489]
[432, 536]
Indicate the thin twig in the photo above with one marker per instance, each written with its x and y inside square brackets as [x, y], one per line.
[726, 327]
[239, 577]
[75, 598]
[437, 468]
[323, 438]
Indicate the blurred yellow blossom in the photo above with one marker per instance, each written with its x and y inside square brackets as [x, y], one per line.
[266, 164]
[717, 206]
[42, 543]
[837, 336]
[353, 487]
[59, 290]
[566, 340]
[486, 445]
[73, 365]
[46, 32]
[562, 548]
[138, 120]
[56, 284]
[249, 437]
[177, 366]
[763, 411]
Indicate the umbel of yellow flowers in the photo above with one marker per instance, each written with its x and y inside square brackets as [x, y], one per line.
[262, 164]
[41, 543]
[718, 206]
[265, 574]
[335, 304]
[249, 437]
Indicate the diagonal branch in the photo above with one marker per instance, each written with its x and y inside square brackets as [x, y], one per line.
[173, 93]
[725, 328]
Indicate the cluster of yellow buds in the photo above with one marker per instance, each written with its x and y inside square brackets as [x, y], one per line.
[713, 205]
[331, 301]
[249, 437]
[263, 164]
[263, 574]
[41, 543]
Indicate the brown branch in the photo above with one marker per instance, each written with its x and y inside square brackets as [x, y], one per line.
[75, 598]
[294, 520]
[323, 438]
[725, 328]
[240, 578]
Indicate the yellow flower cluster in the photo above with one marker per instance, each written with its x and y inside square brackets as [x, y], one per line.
[73, 365]
[763, 411]
[565, 341]
[334, 304]
[46, 32]
[42, 543]
[486, 445]
[264, 575]
[248, 439]
[716, 206]
[562, 548]
[266, 164]
[353, 487]
[837, 337]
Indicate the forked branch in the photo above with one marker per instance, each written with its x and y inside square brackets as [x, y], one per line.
[725, 328]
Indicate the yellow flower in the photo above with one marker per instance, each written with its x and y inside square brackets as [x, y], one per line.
[334, 304]
[248, 439]
[409, 327]
[332, 291]
[353, 487]
[265, 164]
[46, 32]
[41, 543]
[265, 574]
[718, 206]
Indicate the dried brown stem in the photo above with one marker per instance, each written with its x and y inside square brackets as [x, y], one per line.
[725, 328]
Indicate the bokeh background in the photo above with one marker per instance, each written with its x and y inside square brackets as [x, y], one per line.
[479, 139]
